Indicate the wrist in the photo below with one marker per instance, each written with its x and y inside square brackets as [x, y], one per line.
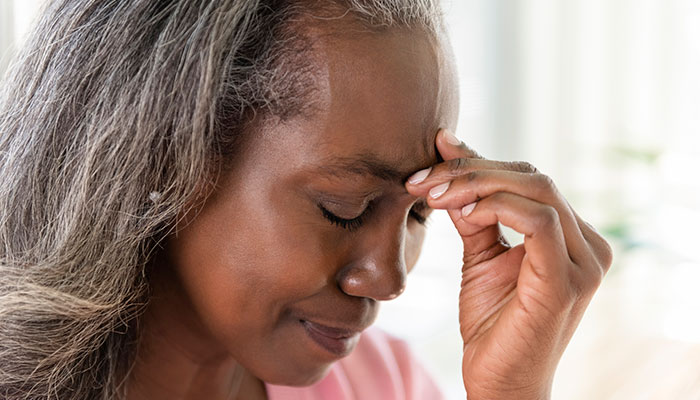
[544, 393]
[509, 396]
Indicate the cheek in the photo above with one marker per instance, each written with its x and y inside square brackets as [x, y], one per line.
[216, 274]
[240, 281]
[413, 246]
[241, 277]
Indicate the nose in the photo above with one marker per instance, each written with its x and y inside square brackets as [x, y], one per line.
[379, 272]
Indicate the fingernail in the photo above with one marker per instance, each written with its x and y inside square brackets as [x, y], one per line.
[419, 176]
[439, 190]
[451, 138]
[466, 210]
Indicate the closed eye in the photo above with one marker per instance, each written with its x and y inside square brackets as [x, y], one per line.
[348, 224]
[419, 212]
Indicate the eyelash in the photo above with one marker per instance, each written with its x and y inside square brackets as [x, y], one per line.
[355, 223]
[349, 224]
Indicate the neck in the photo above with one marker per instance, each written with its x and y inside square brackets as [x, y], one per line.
[177, 360]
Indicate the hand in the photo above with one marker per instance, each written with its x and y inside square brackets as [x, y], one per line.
[518, 306]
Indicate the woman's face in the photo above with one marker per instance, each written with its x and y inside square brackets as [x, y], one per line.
[286, 262]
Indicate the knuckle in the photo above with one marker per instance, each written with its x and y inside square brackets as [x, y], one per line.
[523, 166]
[547, 217]
[457, 166]
[600, 248]
[472, 175]
[589, 277]
[545, 186]
[606, 255]
[544, 181]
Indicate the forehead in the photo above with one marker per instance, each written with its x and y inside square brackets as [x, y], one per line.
[380, 96]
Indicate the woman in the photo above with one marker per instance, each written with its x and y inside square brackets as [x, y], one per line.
[209, 199]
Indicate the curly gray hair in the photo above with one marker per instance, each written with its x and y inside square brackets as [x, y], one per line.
[108, 101]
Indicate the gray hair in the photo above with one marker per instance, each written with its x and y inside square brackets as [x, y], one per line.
[115, 118]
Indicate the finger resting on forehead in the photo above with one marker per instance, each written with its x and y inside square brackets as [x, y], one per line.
[450, 151]
[457, 167]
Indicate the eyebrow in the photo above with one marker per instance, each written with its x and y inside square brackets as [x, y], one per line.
[365, 166]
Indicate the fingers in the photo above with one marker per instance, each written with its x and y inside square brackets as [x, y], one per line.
[467, 180]
[459, 160]
[461, 181]
[478, 184]
[547, 269]
[544, 238]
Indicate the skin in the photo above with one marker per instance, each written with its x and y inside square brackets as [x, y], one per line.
[260, 255]
[232, 286]
[519, 306]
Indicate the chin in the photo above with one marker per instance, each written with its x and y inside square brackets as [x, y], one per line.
[298, 355]
[297, 377]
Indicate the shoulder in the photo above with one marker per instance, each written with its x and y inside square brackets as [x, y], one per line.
[381, 367]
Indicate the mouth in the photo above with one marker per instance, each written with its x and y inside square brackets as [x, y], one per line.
[337, 341]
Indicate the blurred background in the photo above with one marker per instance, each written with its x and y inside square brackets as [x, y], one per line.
[603, 96]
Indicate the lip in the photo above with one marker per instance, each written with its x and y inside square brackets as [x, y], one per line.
[337, 341]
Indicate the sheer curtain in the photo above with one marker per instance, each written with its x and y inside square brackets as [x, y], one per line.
[604, 96]
[16, 17]
[6, 33]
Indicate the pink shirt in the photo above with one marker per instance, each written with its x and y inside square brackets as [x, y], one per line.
[381, 367]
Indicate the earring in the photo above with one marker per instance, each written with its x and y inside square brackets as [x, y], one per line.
[154, 196]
